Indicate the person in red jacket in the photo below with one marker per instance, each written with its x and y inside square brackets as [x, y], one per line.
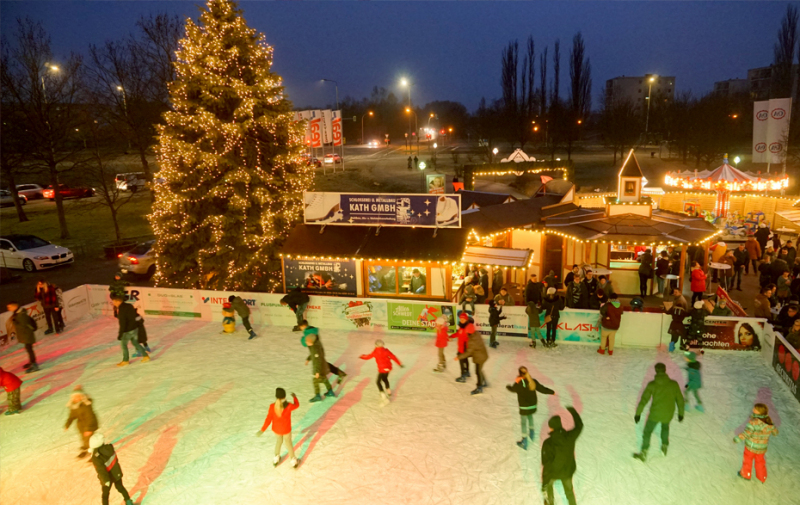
[11, 384]
[47, 295]
[280, 416]
[383, 357]
[698, 282]
[466, 327]
[441, 341]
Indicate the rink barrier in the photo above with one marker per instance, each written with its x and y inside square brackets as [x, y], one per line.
[75, 303]
[638, 329]
[786, 363]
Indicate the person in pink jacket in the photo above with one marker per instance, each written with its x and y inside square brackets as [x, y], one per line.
[698, 282]
[11, 384]
[442, 337]
[383, 357]
[280, 417]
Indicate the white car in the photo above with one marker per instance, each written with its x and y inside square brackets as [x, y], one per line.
[139, 261]
[30, 253]
[131, 182]
[374, 144]
[31, 191]
[7, 199]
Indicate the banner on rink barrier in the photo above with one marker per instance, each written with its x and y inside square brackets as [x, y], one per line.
[725, 333]
[419, 316]
[786, 363]
[579, 326]
[74, 304]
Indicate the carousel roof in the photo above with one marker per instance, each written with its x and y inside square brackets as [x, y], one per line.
[726, 177]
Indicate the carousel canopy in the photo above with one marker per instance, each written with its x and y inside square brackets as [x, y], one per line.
[726, 178]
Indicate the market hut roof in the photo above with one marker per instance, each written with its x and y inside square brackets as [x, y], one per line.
[630, 168]
[390, 243]
[479, 199]
[519, 214]
[497, 256]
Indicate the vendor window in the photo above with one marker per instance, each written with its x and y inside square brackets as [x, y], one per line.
[382, 279]
[630, 188]
[413, 280]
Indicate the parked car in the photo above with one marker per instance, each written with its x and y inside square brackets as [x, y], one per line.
[313, 162]
[130, 182]
[67, 192]
[31, 253]
[333, 158]
[139, 261]
[7, 199]
[31, 191]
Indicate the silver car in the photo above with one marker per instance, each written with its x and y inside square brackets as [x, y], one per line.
[7, 199]
[140, 260]
[31, 191]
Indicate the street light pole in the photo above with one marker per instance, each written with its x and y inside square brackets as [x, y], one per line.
[647, 121]
[336, 84]
[362, 126]
[53, 68]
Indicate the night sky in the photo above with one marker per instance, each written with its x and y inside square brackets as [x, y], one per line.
[451, 51]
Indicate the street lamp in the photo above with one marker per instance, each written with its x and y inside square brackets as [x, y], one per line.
[416, 126]
[337, 90]
[124, 99]
[736, 160]
[362, 126]
[650, 82]
[494, 153]
[52, 68]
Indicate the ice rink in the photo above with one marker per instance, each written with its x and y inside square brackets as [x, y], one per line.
[184, 424]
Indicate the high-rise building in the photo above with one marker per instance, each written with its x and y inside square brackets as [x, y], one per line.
[761, 82]
[636, 89]
[732, 87]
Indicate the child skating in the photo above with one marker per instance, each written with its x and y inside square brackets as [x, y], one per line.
[383, 358]
[81, 411]
[11, 383]
[108, 469]
[756, 439]
[476, 349]
[442, 337]
[466, 327]
[280, 416]
[495, 316]
[311, 340]
[526, 388]
[695, 380]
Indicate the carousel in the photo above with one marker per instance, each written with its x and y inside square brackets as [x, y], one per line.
[725, 180]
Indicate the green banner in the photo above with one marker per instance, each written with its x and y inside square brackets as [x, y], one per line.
[418, 316]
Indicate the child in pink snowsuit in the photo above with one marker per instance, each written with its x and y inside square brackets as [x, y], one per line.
[383, 357]
[441, 342]
[756, 438]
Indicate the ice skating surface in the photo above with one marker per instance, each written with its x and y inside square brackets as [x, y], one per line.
[184, 424]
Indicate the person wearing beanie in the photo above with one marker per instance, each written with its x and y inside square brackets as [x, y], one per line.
[610, 320]
[319, 366]
[108, 469]
[466, 327]
[756, 440]
[442, 337]
[383, 358]
[665, 393]
[82, 412]
[280, 416]
[558, 457]
[526, 387]
[495, 316]
[476, 350]
[11, 383]
[23, 326]
[128, 330]
[721, 309]
[677, 329]
[241, 308]
[697, 324]
[695, 381]
[552, 306]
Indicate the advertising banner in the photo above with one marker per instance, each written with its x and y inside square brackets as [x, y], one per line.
[786, 363]
[374, 209]
[435, 183]
[336, 128]
[327, 125]
[419, 316]
[760, 116]
[354, 314]
[321, 277]
[725, 333]
[75, 303]
[315, 128]
[579, 326]
[514, 325]
[778, 128]
[305, 115]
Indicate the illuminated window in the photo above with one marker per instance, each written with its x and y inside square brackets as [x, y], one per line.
[630, 188]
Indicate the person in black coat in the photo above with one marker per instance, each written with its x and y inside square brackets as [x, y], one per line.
[558, 457]
[108, 469]
[297, 302]
[577, 296]
[762, 235]
[128, 329]
[552, 306]
[526, 388]
[495, 316]
[483, 280]
[590, 284]
[533, 291]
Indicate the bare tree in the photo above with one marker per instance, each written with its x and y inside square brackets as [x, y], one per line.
[518, 91]
[543, 83]
[580, 75]
[781, 84]
[158, 48]
[12, 153]
[47, 95]
[620, 125]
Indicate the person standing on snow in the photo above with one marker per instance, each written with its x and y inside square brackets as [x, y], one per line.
[610, 320]
[243, 310]
[23, 327]
[108, 468]
[442, 337]
[280, 416]
[49, 295]
[495, 316]
[383, 358]
[552, 306]
[558, 457]
[128, 330]
[466, 327]
[756, 439]
[695, 381]
[526, 387]
[665, 393]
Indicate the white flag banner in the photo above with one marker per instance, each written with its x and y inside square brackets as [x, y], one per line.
[304, 116]
[336, 128]
[760, 116]
[327, 137]
[780, 110]
[315, 128]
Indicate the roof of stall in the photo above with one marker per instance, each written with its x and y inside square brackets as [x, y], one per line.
[497, 256]
[483, 199]
[366, 242]
[519, 214]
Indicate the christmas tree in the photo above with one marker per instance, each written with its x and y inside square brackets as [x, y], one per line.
[229, 155]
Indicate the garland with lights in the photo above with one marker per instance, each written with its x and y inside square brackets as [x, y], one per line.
[230, 158]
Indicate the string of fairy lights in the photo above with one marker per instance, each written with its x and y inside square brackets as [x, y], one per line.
[230, 156]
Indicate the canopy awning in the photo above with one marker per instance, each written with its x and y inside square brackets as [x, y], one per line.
[790, 215]
[497, 256]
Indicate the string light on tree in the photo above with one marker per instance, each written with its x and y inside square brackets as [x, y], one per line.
[230, 158]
